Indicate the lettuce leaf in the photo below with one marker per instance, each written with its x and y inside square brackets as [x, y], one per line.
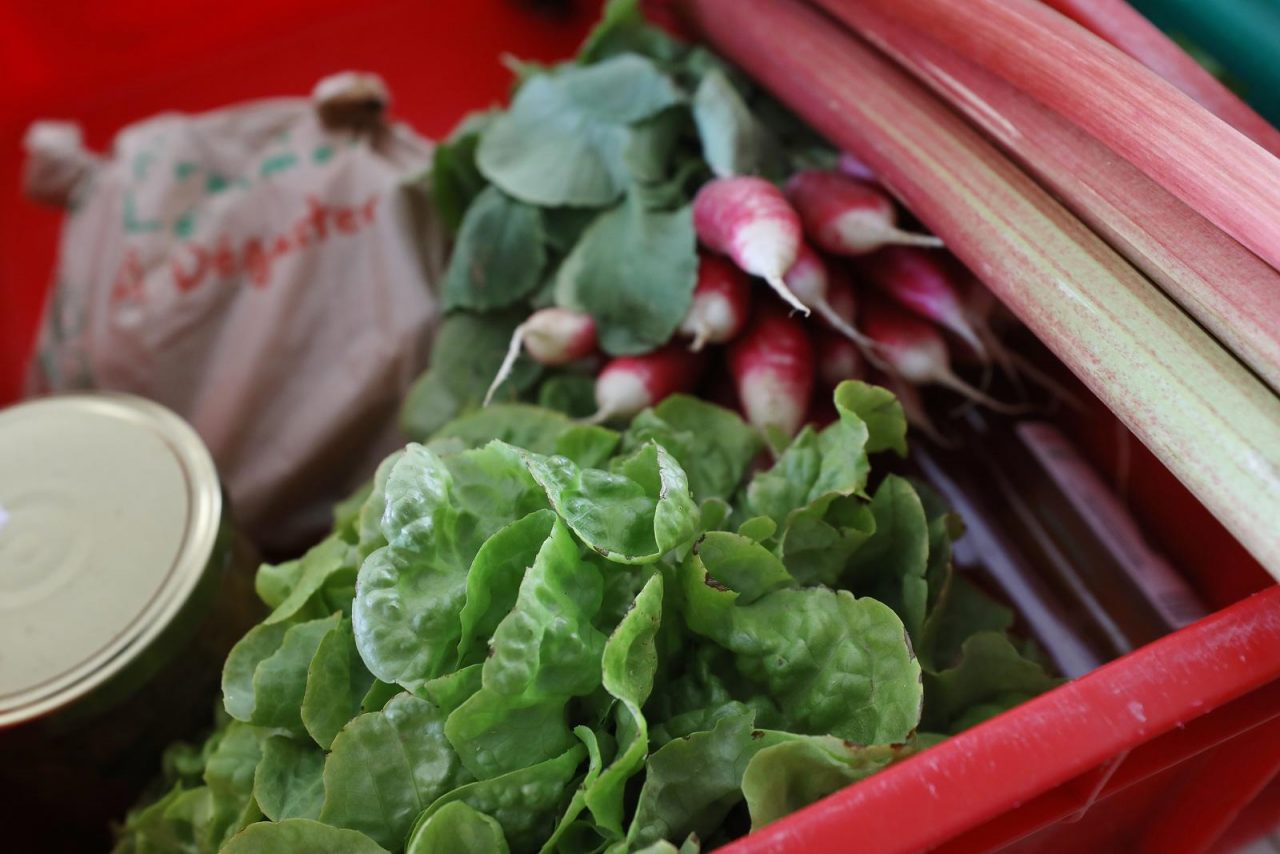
[712, 444]
[300, 834]
[634, 514]
[826, 662]
[438, 514]
[386, 767]
[458, 829]
[544, 652]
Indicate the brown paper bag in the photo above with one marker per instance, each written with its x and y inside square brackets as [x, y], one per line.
[264, 271]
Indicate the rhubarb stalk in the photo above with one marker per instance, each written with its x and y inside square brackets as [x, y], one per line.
[1123, 26]
[1218, 171]
[1232, 292]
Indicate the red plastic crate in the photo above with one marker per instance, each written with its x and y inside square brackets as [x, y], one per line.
[1175, 747]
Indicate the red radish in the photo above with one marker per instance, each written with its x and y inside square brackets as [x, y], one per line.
[628, 384]
[838, 358]
[840, 294]
[772, 367]
[846, 216]
[552, 336]
[749, 220]
[721, 303]
[927, 285]
[915, 351]
[852, 165]
[809, 280]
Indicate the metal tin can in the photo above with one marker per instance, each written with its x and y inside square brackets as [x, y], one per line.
[122, 587]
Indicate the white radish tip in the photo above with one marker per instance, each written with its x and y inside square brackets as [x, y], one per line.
[780, 287]
[700, 338]
[898, 237]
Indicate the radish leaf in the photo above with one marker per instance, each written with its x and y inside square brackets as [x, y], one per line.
[563, 140]
[633, 271]
[498, 258]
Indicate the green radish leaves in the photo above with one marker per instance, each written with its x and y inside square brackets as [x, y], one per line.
[563, 140]
[636, 305]
[498, 257]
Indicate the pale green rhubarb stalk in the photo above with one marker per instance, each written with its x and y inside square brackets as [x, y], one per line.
[1214, 424]
[1224, 286]
[1218, 171]
[1123, 26]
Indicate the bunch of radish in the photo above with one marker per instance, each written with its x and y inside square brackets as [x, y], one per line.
[912, 299]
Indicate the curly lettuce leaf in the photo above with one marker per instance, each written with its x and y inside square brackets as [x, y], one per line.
[743, 565]
[692, 783]
[265, 675]
[438, 514]
[289, 779]
[792, 774]
[831, 462]
[329, 565]
[891, 565]
[386, 767]
[634, 514]
[712, 444]
[494, 580]
[826, 662]
[822, 536]
[228, 774]
[456, 828]
[273, 581]
[544, 652]
[280, 681]
[524, 802]
[991, 677]
[337, 682]
[629, 663]
[300, 834]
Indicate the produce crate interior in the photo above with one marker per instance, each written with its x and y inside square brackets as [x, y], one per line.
[1172, 747]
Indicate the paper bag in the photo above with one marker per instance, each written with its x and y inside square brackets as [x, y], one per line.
[263, 270]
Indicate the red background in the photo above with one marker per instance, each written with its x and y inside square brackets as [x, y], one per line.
[106, 63]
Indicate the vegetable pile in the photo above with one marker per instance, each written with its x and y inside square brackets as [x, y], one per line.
[609, 224]
[531, 634]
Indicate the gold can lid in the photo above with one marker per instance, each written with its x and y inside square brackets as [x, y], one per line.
[109, 514]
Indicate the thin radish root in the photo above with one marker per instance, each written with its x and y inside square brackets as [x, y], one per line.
[701, 335]
[781, 289]
[552, 336]
[947, 379]
[508, 361]
[870, 349]
[917, 416]
[1022, 365]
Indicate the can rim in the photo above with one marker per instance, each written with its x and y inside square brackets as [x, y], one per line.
[192, 561]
